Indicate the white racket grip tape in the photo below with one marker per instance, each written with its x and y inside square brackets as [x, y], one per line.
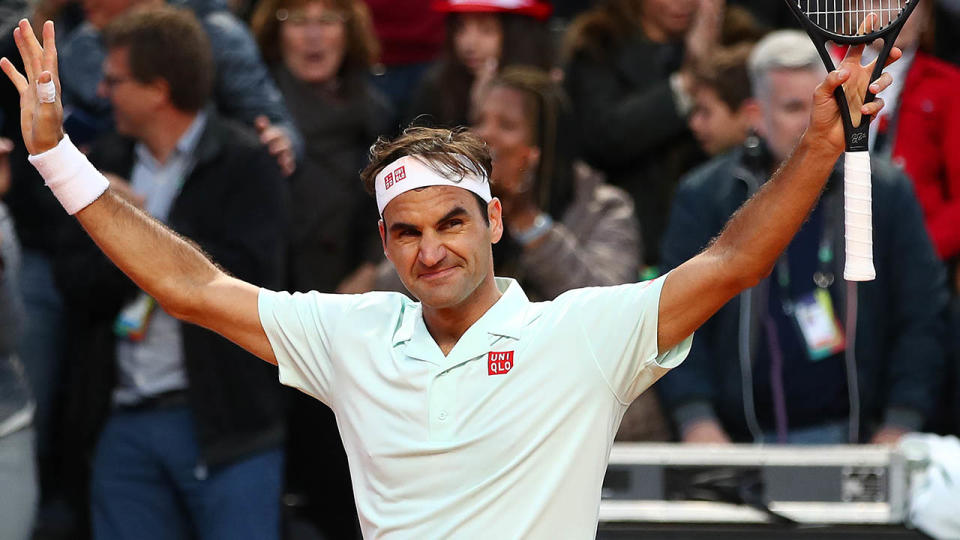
[74, 181]
[858, 217]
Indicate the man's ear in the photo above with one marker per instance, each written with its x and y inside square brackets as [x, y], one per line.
[383, 237]
[533, 158]
[752, 114]
[495, 214]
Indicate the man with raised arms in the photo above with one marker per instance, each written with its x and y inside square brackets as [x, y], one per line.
[473, 412]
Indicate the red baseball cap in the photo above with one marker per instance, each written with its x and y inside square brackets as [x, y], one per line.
[538, 9]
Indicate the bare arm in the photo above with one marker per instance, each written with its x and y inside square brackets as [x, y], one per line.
[169, 268]
[176, 273]
[749, 245]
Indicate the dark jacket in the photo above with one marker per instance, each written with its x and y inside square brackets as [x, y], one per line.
[629, 122]
[233, 205]
[899, 330]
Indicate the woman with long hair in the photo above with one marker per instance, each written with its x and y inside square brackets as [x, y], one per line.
[483, 37]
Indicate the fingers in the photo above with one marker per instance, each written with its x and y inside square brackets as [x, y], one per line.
[872, 108]
[50, 52]
[881, 83]
[18, 80]
[895, 54]
[29, 49]
[832, 82]
[262, 123]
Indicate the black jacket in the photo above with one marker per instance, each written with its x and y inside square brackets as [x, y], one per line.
[234, 206]
[629, 124]
[900, 326]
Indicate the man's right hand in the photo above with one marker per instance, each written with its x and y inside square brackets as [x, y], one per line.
[40, 123]
[705, 432]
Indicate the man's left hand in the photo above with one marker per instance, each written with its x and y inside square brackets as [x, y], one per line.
[278, 143]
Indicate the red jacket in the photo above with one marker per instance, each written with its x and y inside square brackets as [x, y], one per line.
[927, 146]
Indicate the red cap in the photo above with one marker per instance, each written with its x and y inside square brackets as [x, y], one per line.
[538, 9]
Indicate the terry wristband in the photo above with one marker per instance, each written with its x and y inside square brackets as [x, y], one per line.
[74, 181]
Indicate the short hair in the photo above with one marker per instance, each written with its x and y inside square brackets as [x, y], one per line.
[166, 43]
[725, 72]
[783, 49]
[439, 149]
[362, 48]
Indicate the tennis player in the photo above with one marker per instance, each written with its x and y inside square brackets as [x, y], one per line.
[473, 412]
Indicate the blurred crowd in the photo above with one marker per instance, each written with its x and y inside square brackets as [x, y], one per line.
[624, 134]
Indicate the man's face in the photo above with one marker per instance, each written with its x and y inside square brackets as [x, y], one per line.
[440, 244]
[717, 127]
[133, 102]
[786, 105]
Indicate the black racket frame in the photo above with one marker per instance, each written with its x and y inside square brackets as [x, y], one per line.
[857, 137]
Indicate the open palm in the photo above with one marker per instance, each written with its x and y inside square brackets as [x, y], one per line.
[41, 123]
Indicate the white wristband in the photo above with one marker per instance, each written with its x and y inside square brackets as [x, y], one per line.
[74, 181]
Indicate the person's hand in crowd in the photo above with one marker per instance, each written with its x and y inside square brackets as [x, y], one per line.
[888, 435]
[705, 432]
[6, 146]
[278, 143]
[704, 33]
[481, 83]
[122, 188]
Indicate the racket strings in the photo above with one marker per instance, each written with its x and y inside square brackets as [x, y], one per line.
[853, 17]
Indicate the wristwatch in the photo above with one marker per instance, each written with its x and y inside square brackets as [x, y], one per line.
[541, 225]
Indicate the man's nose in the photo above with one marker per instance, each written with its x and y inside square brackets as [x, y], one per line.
[432, 250]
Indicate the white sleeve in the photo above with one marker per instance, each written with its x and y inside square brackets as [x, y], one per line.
[299, 327]
[620, 324]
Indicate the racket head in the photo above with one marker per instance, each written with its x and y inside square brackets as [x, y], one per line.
[842, 21]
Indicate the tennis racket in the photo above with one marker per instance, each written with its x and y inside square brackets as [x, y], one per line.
[855, 22]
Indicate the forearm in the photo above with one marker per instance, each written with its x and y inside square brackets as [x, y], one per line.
[164, 265]
[758, 233]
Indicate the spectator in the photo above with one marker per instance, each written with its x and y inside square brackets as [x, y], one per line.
[243, 89]
[724, 111]
[18, 475]
[483, 37]
[320, 54]
[629, 85]
[191, 442]
[412, 34]
[753, 373]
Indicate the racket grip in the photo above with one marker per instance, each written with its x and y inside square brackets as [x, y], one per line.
[858, 217]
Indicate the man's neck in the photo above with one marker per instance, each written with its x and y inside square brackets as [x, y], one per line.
[165, 132]
[447, 325]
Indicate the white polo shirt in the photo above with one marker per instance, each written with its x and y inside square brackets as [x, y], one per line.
[508, 436]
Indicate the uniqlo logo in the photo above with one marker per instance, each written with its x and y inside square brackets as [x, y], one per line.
[388, 181]
[399, 174]
[499, 363]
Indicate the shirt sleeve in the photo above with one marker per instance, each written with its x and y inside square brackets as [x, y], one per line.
[299, 327]
[620, 324]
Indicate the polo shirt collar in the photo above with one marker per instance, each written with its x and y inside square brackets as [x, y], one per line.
[505, 319]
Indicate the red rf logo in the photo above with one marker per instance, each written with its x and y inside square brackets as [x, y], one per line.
[499, 363]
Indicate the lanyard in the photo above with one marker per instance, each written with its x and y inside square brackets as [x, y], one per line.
[823, 277]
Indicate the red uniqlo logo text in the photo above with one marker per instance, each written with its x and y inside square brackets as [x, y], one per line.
[388, 181]
[499, 363]
[399, 174]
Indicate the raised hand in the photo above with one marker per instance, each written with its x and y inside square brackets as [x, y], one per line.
[855, 79]
[41, 122]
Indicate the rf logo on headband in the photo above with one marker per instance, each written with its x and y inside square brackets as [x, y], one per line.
[394, 177]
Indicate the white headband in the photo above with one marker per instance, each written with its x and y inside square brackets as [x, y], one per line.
[409, 172]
